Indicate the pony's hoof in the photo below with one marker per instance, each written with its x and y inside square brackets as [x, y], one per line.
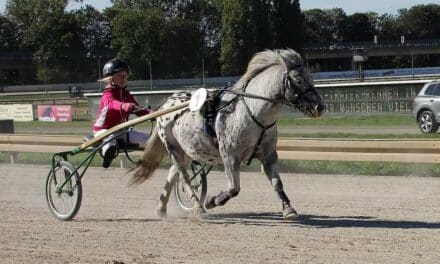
[290, 214]
[210, 202]
[161, 213]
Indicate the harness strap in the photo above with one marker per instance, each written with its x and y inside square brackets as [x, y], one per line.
[254, 152]
[242, 94]
[253, 117]
[253, 96]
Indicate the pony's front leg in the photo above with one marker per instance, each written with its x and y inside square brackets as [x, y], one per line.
[232, 170]
[270, 166]
[161, 210]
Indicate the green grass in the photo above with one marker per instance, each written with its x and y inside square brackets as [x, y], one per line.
[387, 120]
[286, 166]
[398, 120]
[35, 96]
[361, 168]
[53, 126]
[359, 136]
[78, 126]
[318, 167]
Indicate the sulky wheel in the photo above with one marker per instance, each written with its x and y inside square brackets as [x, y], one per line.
[199, 184]
[63, 191]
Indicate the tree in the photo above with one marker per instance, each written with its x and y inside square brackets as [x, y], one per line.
[95, 35]
[15, 63]
[183, 53]
[262, 22]
[237, 36]
[173, 35]
[10, 38]
[359, 27]
[206, 15]
[324, 26]
[95, 31]
[288, 24]
[420, 21]
[387, 28]
[137, 36]
[53, 37]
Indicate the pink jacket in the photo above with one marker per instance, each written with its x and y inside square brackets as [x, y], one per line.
[110, 112]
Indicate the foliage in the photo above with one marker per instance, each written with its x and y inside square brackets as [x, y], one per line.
[10, 39]
[10, 44]
[324, 26]
[420, 21]
[358, 27]
[288, 24]
[95, 32]
[138, 36]
[237, 36]
[53, 37]
[252, 26]
[52, 44]
[172, 35]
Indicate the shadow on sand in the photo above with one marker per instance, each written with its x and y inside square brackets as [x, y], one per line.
[318, 221]
[116, 220]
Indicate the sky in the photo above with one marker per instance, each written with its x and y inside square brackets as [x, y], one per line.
[349, 6]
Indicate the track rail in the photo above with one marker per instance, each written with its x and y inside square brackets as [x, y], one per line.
[381, 150]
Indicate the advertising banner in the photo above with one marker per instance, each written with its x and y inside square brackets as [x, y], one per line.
[54, 113]
[17, 112]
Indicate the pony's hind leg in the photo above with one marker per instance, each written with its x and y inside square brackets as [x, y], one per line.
[270, 166]
[197, 206]
[181, 165]
[161, 210]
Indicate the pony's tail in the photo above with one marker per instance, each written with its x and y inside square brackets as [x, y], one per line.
[154, 153]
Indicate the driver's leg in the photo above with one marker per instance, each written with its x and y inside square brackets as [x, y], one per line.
[108, 150]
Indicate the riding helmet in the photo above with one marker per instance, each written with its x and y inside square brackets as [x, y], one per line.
[113, 66]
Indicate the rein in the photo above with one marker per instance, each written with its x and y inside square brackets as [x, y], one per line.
[240, 95]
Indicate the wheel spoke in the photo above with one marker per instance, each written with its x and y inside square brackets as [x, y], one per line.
[197, 183]
[64, 191]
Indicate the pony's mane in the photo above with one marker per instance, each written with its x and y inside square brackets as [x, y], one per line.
[268, 58]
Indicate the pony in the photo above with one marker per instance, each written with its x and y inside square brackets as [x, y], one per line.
[244, 124]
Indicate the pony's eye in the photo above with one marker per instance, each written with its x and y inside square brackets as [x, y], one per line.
[298, 81]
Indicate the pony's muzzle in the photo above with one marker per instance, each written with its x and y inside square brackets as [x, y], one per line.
[319, 110]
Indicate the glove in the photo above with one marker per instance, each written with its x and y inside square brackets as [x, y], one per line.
[128, 107]
[144, 112]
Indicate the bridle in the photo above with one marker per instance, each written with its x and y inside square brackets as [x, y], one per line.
[287, 84]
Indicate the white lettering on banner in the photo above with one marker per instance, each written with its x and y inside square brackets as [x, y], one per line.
[54, 113]
[4, 111]
[17, 112]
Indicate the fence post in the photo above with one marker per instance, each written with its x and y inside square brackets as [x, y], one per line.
[13, 157]
[123, 161]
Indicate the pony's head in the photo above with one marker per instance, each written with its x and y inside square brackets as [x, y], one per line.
[298, 86]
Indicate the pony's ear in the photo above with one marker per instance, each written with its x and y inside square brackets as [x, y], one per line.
[282, 53]
[291, 59]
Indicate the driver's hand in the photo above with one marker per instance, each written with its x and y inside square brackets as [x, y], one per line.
[128, 107]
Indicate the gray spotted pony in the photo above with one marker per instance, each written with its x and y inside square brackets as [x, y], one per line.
[244, 124]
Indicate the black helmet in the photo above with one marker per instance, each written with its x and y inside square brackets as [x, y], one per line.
[113, 66]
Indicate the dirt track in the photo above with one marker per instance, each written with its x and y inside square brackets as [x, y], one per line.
[398, 130]
[346, 219]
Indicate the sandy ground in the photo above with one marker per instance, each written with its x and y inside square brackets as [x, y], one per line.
[345, 219]
[284, 129]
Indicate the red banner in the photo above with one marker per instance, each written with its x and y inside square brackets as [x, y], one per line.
[54, 113]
